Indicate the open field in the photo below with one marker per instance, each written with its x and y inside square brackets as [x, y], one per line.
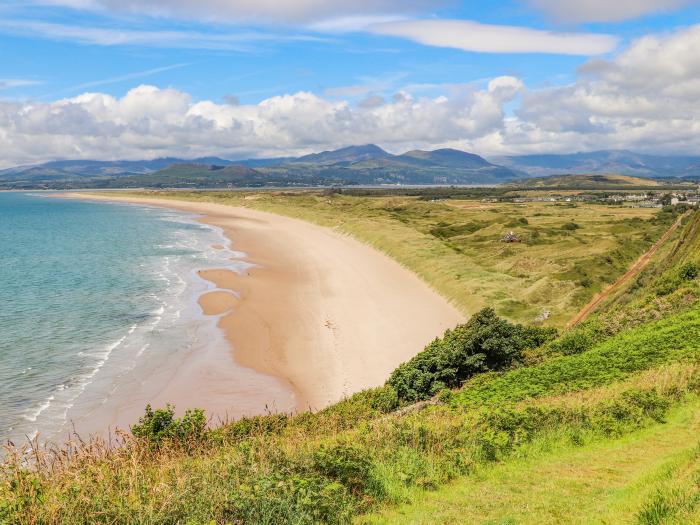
[568, 253]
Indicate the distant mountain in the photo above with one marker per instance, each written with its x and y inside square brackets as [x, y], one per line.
[448, 158]
[612, 161]
[370, 164]
[349, 155]
[81, 169]
[367, 164]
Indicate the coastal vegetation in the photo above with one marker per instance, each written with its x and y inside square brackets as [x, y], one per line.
[569, 251]
[514, 424]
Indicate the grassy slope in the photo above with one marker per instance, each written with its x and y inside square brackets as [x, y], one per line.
[455, 245]
[596, 181]
[649, 477]
[608, 482]
[343, 460]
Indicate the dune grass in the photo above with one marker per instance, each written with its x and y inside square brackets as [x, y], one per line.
[569, 251]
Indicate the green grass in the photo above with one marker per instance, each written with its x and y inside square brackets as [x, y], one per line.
[351, 458]
[455, 245]
[605, 433]
[607, 482]
[649, 345]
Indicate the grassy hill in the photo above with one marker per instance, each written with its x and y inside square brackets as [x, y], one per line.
[589, 181]
[516, 424]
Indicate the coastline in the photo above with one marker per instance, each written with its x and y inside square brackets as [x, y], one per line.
[318, 310]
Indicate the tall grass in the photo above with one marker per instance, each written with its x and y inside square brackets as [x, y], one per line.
[352, 457]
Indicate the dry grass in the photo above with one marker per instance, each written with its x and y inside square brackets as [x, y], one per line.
[455, 245]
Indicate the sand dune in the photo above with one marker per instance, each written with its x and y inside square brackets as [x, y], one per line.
[321, 311]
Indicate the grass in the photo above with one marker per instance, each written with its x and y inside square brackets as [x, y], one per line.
[351, 458]
[617, 481]
[455, 245]
[605, 432]
[653, 344]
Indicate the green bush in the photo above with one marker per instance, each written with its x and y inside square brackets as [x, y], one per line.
[349, 465]
[667, 285]
[158, 425]
[689, 271]
[578, 340]
[570, 226]
[485, 343]
[281, 497]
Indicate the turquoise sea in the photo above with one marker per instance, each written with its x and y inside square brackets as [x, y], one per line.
[95, 296]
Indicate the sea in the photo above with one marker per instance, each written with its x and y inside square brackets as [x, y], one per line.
[97, 300]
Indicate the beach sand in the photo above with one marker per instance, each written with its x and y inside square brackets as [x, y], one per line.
[322, 312]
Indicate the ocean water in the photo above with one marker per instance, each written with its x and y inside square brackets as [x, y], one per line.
[95, 298]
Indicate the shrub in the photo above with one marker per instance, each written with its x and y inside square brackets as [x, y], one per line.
[689, 271]
[158, 425]
[667, 285]
[570, 226]
[485, 343]
[281, 497]
[349, 465]
[578, 340]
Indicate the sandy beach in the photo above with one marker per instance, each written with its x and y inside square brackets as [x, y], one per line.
[323, 313]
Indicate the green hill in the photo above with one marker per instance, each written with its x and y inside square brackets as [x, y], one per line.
[590, 181]
[513, 424]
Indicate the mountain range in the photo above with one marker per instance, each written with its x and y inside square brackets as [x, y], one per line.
[619, 162]
[367, 164]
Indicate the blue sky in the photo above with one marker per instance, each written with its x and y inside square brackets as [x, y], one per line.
[368, 56]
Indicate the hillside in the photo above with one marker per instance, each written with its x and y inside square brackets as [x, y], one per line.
[587, 181]
[525, 418]
[612, 161]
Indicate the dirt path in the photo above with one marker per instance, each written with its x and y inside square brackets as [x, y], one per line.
[634, 270]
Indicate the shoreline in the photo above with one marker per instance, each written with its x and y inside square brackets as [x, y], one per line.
[317, 310]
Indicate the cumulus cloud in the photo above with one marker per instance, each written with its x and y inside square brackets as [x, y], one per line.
[486, 38]
[604, 10]
[645, 98]
[150, 122]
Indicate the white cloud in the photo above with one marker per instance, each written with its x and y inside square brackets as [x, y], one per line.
[603, 10]
[473, 36]
[101, 36]
[9, 83]
[643, 99]
[255, 11]
[150, 122]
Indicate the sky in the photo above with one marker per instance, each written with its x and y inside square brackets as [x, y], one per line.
[135, 79]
